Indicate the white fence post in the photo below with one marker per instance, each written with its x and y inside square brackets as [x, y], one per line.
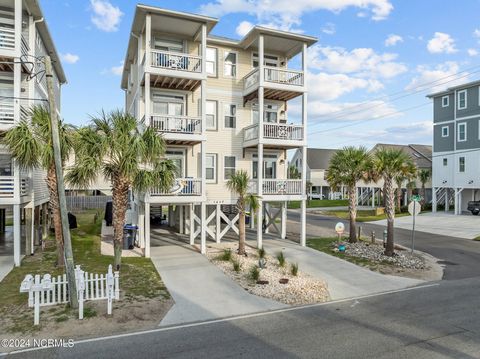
[110, 289]
[80, 279]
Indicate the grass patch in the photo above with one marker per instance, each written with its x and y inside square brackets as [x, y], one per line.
[254, 273]
[325, 245]
[319, 203]
[261, 253]
[281, 259]
[236, 265]
[138, 276]
[363, 215]
[294, 269]
[226, 256]
[477, 238]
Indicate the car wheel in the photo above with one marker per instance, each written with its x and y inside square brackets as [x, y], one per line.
[475, 213]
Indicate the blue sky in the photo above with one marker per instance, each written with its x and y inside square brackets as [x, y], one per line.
[369, 72]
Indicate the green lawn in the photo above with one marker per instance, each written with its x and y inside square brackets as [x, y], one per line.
[363, 215]
[325, 245]
[138, 277]
[319, 203]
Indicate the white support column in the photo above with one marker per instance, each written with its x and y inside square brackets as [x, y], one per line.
[303, 231]
[405, 199]
[260, 174]
[147, 230]
[44, 221]
[218, 226]
[252, 219]
[141, 225]
[148, 43]
[259, 224]
[16, 234]
[455, 201]
[373, 197]
[170, 215]
[460, 202]
[434, 200]
[181, 219]
[303, 224]
[283, 233]
[203, 232]
[446, 200]
[267, 215]
[321, 192]
[192, 224]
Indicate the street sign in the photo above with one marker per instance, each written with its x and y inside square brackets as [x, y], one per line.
[414, 208]
[339, 228]
[416, 198]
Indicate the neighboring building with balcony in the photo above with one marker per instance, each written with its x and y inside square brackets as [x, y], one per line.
[456, 146]
[23, 194]
[221, 106]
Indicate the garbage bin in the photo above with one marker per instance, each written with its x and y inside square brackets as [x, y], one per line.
[129, 234]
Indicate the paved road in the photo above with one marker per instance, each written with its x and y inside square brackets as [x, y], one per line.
[439, 321]
[460, 256]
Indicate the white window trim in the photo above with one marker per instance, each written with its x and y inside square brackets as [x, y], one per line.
[236, 64]
[445, 161]
[458, 99]
[215, 74]
[458, 132]
[223, 165]
[224, 114]
[215, 168]
[216, 116]
[448, 101]
[448, 130]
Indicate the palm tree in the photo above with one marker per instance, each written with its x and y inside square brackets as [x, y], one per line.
[347, 167]
[293, 172]
[238, 183]
[30, 144]
[423, 176]
[128, 154]
[408, 173]
[389, 164]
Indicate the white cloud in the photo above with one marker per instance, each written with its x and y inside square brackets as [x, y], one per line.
[105, 16]
[69, 58]
[364, 61]
[442, 76]
[329, 28]
[476, 33]
[114, 70]
[472, 52]
[285, 14]
[393, 39]
[441, 43]
[243, 28]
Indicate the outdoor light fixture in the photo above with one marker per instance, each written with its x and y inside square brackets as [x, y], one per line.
[470, 182]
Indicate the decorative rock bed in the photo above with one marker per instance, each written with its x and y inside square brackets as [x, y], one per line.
[375, 253]
[299, 289]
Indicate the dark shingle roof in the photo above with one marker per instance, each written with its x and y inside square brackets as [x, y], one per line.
[319, 158]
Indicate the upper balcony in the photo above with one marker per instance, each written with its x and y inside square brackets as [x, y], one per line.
[183, 190]
[178, 130]
[275, 135]
[279, 83]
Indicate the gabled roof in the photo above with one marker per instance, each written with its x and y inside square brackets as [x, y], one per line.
[421, 155]
[319, 158]
[453, 88]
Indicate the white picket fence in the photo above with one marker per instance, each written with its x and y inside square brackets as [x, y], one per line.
[51, 291]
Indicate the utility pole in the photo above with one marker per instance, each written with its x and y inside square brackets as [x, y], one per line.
[67, 243]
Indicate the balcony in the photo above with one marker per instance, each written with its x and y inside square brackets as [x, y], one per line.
[278, 187]
[7, 186]
[7, 117]
[7, 38]
[279, 84]
[275, 135]
[182, 189]
[174, 70]
[182, 130]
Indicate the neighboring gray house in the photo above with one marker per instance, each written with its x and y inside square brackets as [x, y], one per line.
[456, 146]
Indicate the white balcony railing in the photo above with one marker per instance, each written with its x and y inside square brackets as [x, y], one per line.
[24, 46]
[176, 61]
[7, 185]
[275, 75]
[7, 38]
[276, 131]
[176, 124]
[6, 112]
[181, 187]
[278, 187]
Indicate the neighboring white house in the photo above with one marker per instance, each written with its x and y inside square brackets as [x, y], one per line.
[368, 193]
[221, 106]
[23, 34]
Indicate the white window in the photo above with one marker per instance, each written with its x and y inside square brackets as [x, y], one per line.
[462, 132]
[268, 60]
[445, 101]
[462, 99]
[461, 164]
[211, 115]
[270, 113]
[229, 112]
[229, 166]
[211, 167]
[211, 61]
[269, 166]
[167, 44]
[230, 64]
[445, 131]
[445, 161]
[167, 104]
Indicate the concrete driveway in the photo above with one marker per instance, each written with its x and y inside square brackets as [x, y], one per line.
[446, 224]
[6, 265]
[201, 291]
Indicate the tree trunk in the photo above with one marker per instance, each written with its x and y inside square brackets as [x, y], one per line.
[423, 201]
[241, 233]
[399, 199]
[120, 204]
[390, 211]
[352, 209]
[57, 222]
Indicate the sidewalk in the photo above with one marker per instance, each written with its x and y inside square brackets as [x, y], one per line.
[6, 265]
[201, 291]
[344, 279]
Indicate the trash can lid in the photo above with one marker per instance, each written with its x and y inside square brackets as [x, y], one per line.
[129, 226]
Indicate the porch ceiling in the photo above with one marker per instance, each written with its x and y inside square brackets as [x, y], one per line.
[174, 83]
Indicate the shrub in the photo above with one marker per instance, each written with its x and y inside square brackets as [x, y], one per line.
[262, 253]
[236, 265]
[254, 273]
[281, 259]
[226, 255]
[294, 269]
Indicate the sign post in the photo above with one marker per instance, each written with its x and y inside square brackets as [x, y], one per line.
[414, 209]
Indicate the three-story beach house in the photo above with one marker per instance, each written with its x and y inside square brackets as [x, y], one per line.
[221, 105]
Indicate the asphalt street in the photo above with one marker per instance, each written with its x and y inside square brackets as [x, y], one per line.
[461, 257]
